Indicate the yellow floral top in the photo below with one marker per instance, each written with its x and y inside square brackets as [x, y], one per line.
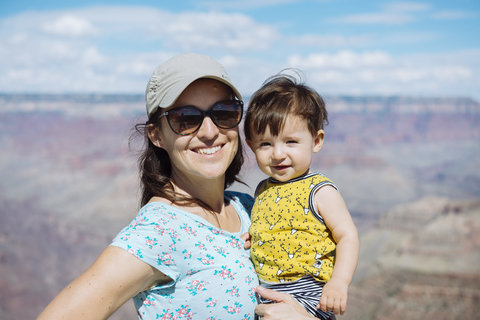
[289, 237]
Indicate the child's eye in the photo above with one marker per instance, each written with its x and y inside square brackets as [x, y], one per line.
[264, 144]
[291, 141]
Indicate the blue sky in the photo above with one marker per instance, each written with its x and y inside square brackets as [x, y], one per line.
[416, 48]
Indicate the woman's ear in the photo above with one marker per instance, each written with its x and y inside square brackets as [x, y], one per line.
[153, 135]
[318, 141]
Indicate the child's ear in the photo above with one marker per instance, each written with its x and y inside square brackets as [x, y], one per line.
[318, 141]
[249, 143]
[153, 135]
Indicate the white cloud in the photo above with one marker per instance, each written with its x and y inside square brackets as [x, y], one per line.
[92, 57]
[453, 15]
[229, 61]
[318, 40]
[344, 59]
[140, 65]
[218, 31]
[445, 75]
[400, 13]
[389, 18]
[242, 4]
[393, 13]
[409, 38]
[69, 25]
[18, 38]
[115, 49]
[406, 6]
[452, 73]
[55, 50]
[378, 73]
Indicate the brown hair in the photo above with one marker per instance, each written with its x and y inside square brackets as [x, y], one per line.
[155, 169]
[282, 95]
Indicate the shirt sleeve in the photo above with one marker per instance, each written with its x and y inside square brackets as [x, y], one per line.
[152, 238]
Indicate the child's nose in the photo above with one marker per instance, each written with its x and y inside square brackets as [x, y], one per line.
[278, 152]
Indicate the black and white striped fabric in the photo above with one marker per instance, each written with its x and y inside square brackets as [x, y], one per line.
[307, 291]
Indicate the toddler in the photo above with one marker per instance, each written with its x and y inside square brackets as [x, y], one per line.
[304, 241]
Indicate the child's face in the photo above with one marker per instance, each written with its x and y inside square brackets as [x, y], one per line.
[289, 154]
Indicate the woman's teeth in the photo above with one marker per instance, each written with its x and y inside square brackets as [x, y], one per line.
[209, 150]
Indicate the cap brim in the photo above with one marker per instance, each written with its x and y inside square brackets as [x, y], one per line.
[176, 90]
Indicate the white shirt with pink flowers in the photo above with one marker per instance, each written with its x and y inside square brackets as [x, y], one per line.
[213, 277]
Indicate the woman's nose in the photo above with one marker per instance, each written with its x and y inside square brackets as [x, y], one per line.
[208, 129]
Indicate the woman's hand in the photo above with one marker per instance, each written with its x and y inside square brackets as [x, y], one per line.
[285, 308]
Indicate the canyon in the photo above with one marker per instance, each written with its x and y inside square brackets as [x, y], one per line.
[407, 167]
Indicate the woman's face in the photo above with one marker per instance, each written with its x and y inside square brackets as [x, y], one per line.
[207, 153]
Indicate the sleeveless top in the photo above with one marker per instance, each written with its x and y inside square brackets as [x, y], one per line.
[289, 237]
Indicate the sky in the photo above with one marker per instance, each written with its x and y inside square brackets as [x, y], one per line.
[342, 47]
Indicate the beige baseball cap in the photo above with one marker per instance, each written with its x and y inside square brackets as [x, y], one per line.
[174, 75]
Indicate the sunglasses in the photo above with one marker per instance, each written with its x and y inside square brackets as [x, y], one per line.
[187, 120]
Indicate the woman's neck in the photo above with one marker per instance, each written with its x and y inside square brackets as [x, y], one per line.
[209, 191]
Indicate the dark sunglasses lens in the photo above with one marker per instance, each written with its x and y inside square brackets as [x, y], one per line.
[185, 120]
[227, 114]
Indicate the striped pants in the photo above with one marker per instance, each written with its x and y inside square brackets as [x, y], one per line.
[307, 291]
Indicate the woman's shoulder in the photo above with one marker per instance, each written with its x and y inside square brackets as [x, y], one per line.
[153, 213]
[240, 198]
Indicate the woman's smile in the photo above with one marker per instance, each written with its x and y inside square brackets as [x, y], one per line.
[210, 150]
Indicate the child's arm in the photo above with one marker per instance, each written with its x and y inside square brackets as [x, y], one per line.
[329, 203]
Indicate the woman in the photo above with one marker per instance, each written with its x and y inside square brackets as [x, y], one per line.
[182, 256]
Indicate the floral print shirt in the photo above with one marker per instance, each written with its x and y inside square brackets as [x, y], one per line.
[213, 277]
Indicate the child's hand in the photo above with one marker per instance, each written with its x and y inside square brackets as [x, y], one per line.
[334, 296]
[248, 240]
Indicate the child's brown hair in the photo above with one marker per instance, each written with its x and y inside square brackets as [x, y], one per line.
[282, 95]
